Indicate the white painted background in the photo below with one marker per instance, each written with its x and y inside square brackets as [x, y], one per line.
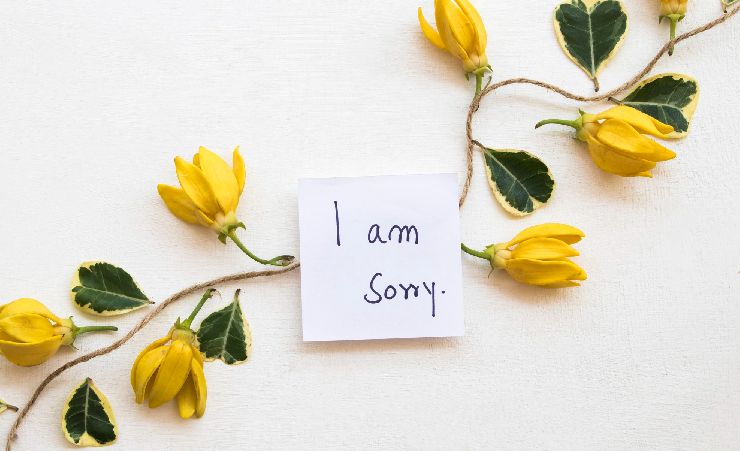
[98, 98]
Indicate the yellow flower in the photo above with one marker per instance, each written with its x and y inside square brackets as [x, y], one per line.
[172, 367]
[209, 192]
[615, 141]
[30, 334]
[668, 7]
[209, 195]
[538, 256]
[460, 31]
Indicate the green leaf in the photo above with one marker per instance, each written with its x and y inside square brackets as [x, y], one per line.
[520, 181]
[590, 32]
[87, 419]
[5, 406]
[102, 289]
[669, 98]
[226, 335]
[729, 3]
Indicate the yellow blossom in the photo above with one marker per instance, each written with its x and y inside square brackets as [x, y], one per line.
[460, 31]
[615, 141]
[209, 195]
[538, 255]
[668, 7]
[209, 192]
[30, 333]
[172, 368]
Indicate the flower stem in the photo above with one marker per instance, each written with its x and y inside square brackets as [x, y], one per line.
[575, 124]
[87, 329]
[478, 82]
[673, 18]
[206, 296]
[475, 253]
[281, 260]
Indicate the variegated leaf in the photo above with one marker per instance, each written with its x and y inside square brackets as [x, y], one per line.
[520, 181]
[103, 289]
[670, 98]
[87, 419]
[590, 32]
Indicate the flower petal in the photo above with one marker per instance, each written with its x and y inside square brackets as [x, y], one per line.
[644, 123]
[30, 354]
[201, 392]
[146, 367]
[141, 355]
[221, 178]
[625, 140]
[461, 27]
[26, 328]
[240, 171]
[537, 272]
[478, 27]
[441, 14]
[196, 186]
[562, 232]
[172, 373]
[27, 305]
[186, 399]
[563, 284]
[543, 249]
[608, 160]
[430, 32]
[178, 203]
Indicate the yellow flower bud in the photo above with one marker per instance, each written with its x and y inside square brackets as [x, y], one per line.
[172, 367]
[30, 334]
[209, 192]
[460, 31]
[539, 256]
[668, 7]
[615, 141]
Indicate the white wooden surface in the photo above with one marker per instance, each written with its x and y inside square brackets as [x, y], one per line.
[98, 98]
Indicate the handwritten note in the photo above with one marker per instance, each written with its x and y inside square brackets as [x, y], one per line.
[380, 257]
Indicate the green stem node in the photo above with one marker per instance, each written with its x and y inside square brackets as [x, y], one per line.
[575, 124]
[87, 329]
[206, 296]
[473, 252]
[281, 260]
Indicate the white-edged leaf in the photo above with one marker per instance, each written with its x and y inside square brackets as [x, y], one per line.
[87, 418]
[670, 98]
[520, 181]
[226, 335]
[100, 288]
[590, 32]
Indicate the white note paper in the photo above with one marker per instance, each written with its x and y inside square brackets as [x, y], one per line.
[380, 257]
